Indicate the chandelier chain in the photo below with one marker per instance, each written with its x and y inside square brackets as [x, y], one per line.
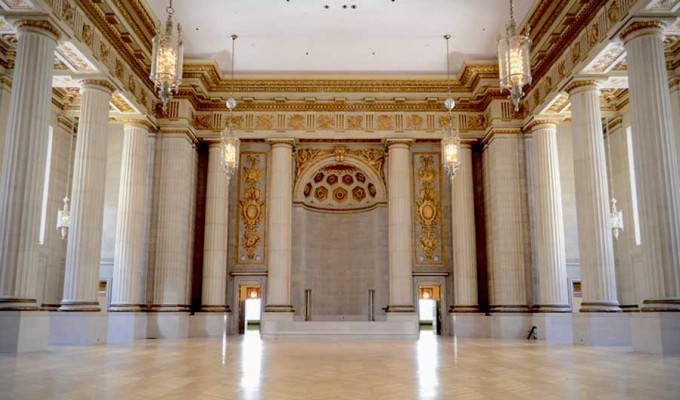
[169, 9]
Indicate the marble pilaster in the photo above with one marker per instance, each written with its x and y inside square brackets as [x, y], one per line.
[592, 200]
[551, 256]
[129, 250]
[400, 209]
[213, 297]
[464, 239]
[87, 200]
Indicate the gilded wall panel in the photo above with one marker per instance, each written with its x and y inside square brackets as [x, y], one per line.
[428, 218]
[251, 217]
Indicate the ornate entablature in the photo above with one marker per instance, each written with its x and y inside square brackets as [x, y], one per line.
[339, 178]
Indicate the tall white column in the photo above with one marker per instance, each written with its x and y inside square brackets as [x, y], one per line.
[656, 164]
[279, 255]
[175, 192]
[507, 276]
[592, 200]
[400, 241]
[87, 199]
[464, 239]
[24, 164]
[213, 297]
[130, 241]
[551, 256]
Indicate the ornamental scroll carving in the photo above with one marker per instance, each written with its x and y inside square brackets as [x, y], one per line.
[250, 248]
[428, 226]
[374, 157]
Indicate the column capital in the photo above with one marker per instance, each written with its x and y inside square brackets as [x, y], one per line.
[642, 28]
[138, 123]
[281, 142]
[37, 26]
[404, 142]
[585, 85]
[541, 123]
[98, 84]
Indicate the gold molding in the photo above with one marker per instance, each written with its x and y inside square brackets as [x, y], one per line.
[637, 26]
[581, 83]
[426, 182]
[541, 121]
[39, 24]
[98, 82]
[398, 141]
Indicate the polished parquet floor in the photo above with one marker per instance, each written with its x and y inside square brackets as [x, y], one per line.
[248, 368]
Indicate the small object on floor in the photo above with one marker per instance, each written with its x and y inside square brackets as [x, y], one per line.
[532, 333]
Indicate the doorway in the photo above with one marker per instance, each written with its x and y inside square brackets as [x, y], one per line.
[429, 309]
[250, 309]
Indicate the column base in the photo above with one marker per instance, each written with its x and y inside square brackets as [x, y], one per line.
[669, 304]
[79, 306]
[554, 327]
[656, 333]
[463, 309]
[600, 307]
[17, 304]
[279, 308]
[126, 308]
[602, 329]
[23, 331]
[510, 326]
[215, 309]
[169, 308]
[208, 324]
[470, 325]
[271, 321]
[78, 328]
[514, 309]
[395, 309]
[552, 308]
[167, 325]
[126, 326]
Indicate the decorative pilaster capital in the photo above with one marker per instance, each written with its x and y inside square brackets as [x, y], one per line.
[583, 86]
[139, 124]
[37, 26]
[399, 142]
[538, 123]
[281, 142]
[642, 28]
[97, 84]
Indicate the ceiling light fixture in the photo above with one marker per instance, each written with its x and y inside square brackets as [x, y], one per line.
[514, 60]
[167, 58]
[229, 143]
[615, 215]
[451, 142]
[64, 215]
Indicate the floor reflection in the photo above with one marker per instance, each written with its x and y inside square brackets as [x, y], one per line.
[251, 364]
[428, 362]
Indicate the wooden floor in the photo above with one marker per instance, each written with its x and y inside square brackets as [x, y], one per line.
[247, 368]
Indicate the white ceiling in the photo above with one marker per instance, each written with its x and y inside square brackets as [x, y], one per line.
[379, 36]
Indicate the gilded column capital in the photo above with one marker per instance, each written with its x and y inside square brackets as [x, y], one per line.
[139, 123]
[281, 142]
[542, 123]
[38, 26]
[582, 86]
[404, 142]
[99, 84]
[642, 28]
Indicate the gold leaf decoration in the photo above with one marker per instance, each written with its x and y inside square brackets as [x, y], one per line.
[427, 207]
[414, 122]
[264, 122]
[355, 122]
[252, 206]
[296, 122]
[385, 122]
[325, 122]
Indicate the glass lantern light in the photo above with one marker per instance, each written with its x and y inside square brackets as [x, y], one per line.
[167, 59]
[229, 143]
[64, 215]
[514, 61]
[451, 143]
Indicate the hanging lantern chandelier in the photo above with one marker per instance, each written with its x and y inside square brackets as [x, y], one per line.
[167, 58]
[514, 60]
[229, 143]
[615, 215]
[64, 215]
[451, 142]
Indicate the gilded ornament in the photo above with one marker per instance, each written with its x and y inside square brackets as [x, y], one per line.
[332, 179]
[296, 122]
[203, 121]
[132, 85]
[613, 12]
[355, 122]
[385, 122]
[339, 151]
[325, 122]
[593, 34]
[347, 180]
[576, 53]
[67, 12]
[547, 85]
[264, 122]
[562, 69]
[304, 157]
[340, 194]
[88, 35]
[358, 193]
[476, 122]
[443, 121]
[119, 69]
[252, 205]
[414, 122]
[427, 207]
[103, 52]
[321, 193]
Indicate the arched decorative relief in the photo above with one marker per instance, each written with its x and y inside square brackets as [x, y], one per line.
[428, 221]
[339, 179]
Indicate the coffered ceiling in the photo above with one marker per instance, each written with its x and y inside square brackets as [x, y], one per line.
[377, 36]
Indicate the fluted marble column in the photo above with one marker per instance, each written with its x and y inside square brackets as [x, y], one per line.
[129, 250]
[551, 256]
[87, 199]
[24, 164]
[213, 297]
[656, 164]
[176, 156]
[464, 239]
[592, 200]
[279, 252]
[400, 208]
[507, 276]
